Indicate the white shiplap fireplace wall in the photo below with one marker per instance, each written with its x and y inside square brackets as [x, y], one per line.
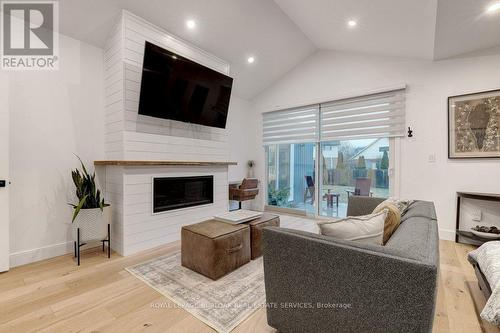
[130, 136]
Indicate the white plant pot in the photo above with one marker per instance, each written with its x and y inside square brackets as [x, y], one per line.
[93, 224]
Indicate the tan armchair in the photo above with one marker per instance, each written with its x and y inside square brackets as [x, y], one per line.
[248, 190]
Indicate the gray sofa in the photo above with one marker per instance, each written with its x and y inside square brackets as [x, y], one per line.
[317, 283]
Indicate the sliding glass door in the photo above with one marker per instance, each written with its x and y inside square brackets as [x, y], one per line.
[346, 167]
[352, 167]
[291, 176]
[346, 150]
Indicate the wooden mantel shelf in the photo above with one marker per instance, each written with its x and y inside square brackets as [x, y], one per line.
[162, 163]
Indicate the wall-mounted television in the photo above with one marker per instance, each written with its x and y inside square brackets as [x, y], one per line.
[177, 88]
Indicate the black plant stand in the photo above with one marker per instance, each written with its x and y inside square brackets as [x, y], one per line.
[78, 245]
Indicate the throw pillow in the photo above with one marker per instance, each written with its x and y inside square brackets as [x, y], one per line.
[401, 204]
[365, 229]
[392, 220]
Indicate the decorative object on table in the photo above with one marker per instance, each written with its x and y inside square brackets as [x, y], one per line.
[474, 125]
[237, 217]
[486, 232]
[221, 304]
[91, 216]
[250, 165]
[248, 190]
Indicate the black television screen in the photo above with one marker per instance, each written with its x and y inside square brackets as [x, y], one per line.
[177, 88]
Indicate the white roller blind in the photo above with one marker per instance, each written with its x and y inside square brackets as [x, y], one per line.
[297, 125]
[371, 116]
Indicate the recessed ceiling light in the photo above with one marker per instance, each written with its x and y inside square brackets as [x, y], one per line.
[174, 56]
[493, 8]
[251, 60]
[191, 24]
[352, 23]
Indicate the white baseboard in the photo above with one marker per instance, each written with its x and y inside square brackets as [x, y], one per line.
[41, 253]
[45, 252]
[447, 234]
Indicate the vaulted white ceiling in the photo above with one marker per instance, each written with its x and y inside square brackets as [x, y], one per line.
[463, 26]
[429, 29]
[230, 29]
[394, 27]
[282, 33]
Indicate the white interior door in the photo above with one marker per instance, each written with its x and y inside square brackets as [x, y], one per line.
[4, 173]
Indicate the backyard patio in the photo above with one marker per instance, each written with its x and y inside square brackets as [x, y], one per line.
[342, 207]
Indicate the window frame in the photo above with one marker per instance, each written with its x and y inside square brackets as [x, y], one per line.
[394, 178]
[394, 148]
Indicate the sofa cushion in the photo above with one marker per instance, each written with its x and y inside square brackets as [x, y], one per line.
[366, 229]
[392, 220]
[418, 235]
[420, 209]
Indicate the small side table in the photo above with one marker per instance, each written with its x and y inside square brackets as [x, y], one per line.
[329, 199]
[465, 236]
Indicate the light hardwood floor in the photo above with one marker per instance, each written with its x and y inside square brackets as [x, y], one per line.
[100, 296]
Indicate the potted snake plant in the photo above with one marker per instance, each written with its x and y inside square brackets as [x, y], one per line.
[91, 214]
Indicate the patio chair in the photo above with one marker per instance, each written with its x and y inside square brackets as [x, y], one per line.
[309, 191]
[362, 188]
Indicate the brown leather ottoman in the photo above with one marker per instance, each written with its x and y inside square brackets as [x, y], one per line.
[214, 248]
[266, 220]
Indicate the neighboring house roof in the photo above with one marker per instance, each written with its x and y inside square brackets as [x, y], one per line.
[374, 150]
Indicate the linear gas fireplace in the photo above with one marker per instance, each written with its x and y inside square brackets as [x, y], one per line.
[180, 192]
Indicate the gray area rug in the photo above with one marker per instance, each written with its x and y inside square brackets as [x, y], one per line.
[221, 304]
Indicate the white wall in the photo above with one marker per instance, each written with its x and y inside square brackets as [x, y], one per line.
[53, 115]
[4, 172]
[242, 137]
[330, 75]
